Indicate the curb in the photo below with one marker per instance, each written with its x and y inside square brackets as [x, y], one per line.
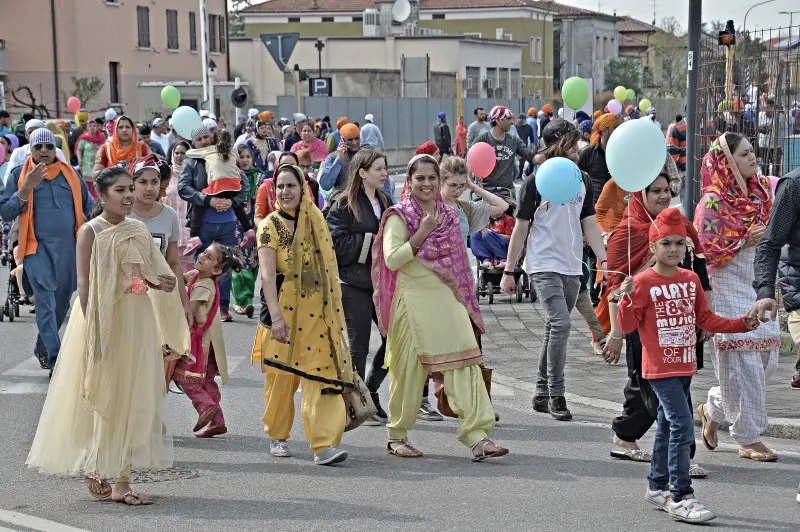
[778, 427]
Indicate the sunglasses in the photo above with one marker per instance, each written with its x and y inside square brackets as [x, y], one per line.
[47, 146]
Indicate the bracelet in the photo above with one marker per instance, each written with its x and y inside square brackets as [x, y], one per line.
[510, 274]
[413, 246]
[614, 337]
[278, 320]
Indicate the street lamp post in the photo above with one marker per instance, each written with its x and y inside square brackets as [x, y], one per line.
[744, 25]
[212, 75]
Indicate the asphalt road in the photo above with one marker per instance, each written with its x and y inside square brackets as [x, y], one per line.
[557, 477]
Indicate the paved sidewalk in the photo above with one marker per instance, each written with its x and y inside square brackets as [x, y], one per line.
[513, 341]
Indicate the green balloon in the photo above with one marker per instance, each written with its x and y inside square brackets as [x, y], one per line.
[171, 97]
[631, 94]
[575, 92]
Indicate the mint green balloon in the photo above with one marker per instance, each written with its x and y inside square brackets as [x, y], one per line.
[575, 92]
[170, 97]
[631, 94]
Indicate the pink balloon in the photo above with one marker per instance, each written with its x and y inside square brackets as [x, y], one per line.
[2, 153]
[481, 159]
[614, 107]
[773, 182]
[73, 104]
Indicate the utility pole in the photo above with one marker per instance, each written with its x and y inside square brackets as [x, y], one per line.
[319, 46]
[695, 16]
[204, 47]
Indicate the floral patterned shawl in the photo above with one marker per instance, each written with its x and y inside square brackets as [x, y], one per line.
[443, 252]
[730, 207]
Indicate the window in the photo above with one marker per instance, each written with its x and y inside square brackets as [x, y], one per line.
[502, 85]
[212, 33]
[438, 16]
[514, 87]
[606, 48]
[491, 82]
[358, 19]
[536, 49]
[598, 52]
[472, 82]
[143, 22]
[294, 19]
[327, 19]
[223, 43]
[172, 30]
[192, 31]
[113, 81]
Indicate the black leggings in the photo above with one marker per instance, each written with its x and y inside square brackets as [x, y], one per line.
[359, 313]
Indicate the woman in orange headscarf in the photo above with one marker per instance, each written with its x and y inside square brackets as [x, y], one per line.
[123, 146]
[461, 137]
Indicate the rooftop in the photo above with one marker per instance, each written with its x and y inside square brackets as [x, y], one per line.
[563, 10]
[357, 6]
[629, 24]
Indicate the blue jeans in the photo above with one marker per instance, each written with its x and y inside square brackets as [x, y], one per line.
[225, 234]
[674, 437]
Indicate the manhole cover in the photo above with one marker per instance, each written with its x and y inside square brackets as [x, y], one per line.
[164, 475]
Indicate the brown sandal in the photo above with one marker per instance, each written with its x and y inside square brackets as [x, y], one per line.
[131, 498]
[758, 456]
[403, 449]
[495, 451]
[701, 411]
[98, 488]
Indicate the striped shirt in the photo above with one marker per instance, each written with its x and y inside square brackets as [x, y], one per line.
[676, 145]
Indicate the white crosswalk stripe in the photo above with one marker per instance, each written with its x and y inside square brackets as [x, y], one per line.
[30, 522]
[26, 378]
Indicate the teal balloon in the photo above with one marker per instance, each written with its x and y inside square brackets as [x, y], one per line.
[631, 94]
[635, 154]
[170, 97]
[185, 120]
[558, 180]
[575, 92]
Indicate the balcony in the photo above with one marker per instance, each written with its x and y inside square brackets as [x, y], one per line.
[3, 59]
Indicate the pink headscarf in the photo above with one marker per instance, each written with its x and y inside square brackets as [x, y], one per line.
[443, 252]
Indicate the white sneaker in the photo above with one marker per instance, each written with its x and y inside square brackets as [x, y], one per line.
[689, 511]
[658, 498]
[598, 347]
[279, 448]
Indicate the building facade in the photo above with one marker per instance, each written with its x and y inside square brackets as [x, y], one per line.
[390, 70]
[527, 21]
[121, 43]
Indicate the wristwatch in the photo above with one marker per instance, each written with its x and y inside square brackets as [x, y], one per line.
[510, 274]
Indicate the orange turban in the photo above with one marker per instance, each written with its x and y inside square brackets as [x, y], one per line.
[349, 131]
[628, 109]
[547, 108]
[266, 115]
[597, 114]
[532, 111]
[303, 157]
[604, 122]
[341, 122]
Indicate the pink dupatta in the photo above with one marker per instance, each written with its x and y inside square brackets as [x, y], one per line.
[196, 371]
[443, 252]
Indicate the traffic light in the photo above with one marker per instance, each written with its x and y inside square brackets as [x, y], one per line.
[301, 74]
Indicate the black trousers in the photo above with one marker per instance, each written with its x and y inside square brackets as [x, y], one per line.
[359, 313]
[640, 409]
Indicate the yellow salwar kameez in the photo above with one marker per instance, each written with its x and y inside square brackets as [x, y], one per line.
[430, 330]
[317, 352]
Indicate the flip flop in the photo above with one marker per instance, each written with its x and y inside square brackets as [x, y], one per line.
[105, 494]
[701, 411]
[758, 456]
[132, 495]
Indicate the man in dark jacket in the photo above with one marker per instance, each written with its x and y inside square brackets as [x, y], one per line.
[441, 135]
[783, 229]
[212, 218]
[525, 134]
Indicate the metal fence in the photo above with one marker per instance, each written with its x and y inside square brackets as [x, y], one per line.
[751, 89]
[404, 122]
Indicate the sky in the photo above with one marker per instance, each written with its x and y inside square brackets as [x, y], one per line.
[761, 17]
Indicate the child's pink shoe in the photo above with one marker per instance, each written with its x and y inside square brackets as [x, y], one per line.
[249, 239]
[192, 246]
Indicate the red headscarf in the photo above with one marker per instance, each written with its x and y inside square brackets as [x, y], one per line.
[429, 148]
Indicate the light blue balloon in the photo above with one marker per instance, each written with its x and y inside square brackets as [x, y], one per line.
[558, 180]
[185, 120]
[635, 154]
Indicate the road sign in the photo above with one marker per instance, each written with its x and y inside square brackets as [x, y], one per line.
[320, 86]
[280, 46]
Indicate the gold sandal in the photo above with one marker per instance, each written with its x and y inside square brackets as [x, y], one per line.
[134, 496]
[758, 456]
[98, 482]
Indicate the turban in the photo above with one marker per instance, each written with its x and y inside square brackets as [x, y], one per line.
[42, 136]
[209, 124]
[580, 116]
[303, 157]
[369, 118]
[349, 131]
[83, 114]
[266, 115]
[532, 111]
[604, 122]
[429, 148]
[669, 222]
[499, 112]
[442, 115]
[585, 126]
[34, 124]
[547, 108]
[597, 114]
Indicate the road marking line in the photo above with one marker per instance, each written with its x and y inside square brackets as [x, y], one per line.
[4, 529]
[35, 523]
[36, 381]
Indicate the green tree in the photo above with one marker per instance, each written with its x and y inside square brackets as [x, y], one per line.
[85, 89]
[625, 72]
[235, 20]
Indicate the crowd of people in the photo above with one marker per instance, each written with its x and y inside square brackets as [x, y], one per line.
[171, 233]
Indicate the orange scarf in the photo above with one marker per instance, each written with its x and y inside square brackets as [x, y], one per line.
[117, 153]
[27, 236]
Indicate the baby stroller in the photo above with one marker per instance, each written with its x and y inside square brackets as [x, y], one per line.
[488, 283]
[5, 252]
